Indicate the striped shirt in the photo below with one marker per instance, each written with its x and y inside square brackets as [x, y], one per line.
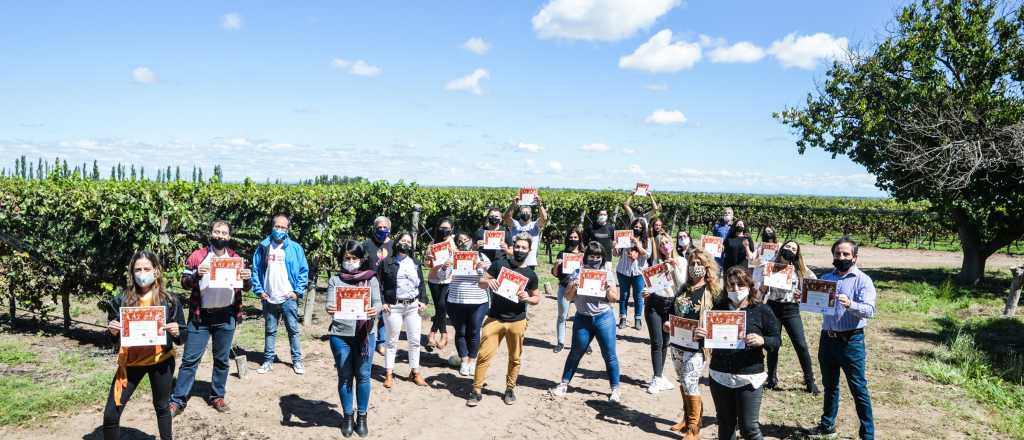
[465, 289]
[861, 290]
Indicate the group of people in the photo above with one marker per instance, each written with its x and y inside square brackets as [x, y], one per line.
[482, 319]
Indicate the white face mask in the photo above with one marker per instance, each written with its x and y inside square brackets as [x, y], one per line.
[684, 242]
[145, 279]
[602, 218]
[351, 266]
[739, 295]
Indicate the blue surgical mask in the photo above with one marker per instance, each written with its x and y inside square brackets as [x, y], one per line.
[382, 234]
[144, 279]
[278, 235]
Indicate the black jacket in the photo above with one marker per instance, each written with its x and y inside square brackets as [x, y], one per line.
[387, 273]
[760, 321]
[173, 312]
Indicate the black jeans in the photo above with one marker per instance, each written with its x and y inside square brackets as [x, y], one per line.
[439, 295]
[467, 320]
[789, 315]
[737, 406]
[161, 377]
[656, 311]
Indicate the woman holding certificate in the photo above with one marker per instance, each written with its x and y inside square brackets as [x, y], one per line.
[353, 297]
[663, 281]
[632, 261]
[568, 263]
[591, 290]
[739, 329]
[439, 279]
[147, 321]
[467, 302]
[404, 296]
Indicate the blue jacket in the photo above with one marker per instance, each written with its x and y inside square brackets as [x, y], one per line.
[294, 260]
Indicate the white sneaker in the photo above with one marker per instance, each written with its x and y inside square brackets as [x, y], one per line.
[265, 368]
[666, 385]
[658, 385]
[472, 367]
[615, 397]
[464, 369]
[560, 390]
[298, 368]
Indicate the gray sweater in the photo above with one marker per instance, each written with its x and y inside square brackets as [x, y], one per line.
[340, 327]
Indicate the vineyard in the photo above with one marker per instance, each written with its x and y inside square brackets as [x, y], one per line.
[68, 236]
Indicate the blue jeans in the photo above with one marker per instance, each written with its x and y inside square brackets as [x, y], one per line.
[467, 320]
[849, 356]
[563, 315]
[637, 285]
[351, 364]
[272, 314]
[195, 345]
[584, 329]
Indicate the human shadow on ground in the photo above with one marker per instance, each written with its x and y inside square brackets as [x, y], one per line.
[620, 415]
[304, 413]
[126, 434]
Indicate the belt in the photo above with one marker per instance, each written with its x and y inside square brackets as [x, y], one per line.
[406, 301]
[844, 335]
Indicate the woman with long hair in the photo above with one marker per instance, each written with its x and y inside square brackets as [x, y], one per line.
[438, 280]
[467, 307]
[573, 245]
[146, 288]
[404, 297]
[658, 307]
[629, 272]
[739, 247]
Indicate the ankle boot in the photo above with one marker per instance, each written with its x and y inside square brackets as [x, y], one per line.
[346, 426]
[388, 380]
[361, 425]
[693, 418]
[810, 386]
[678, 427]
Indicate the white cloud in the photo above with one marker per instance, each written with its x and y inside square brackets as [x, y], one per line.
[666, 117]
[656, 87]
[595, 148]
[555, 166]
[143, 75]
[529, 148]
[358, 68]
[628, 151]
[661, 55]
[231, 22]
[742, 52]
[605, 20]
[709, 41]
[476, 45]
[635, 170]
[805, 52]
[469, 83]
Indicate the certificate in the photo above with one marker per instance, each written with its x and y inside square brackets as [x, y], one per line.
[571, 263]
[779, 276]
[818, 296]
[769, 251]
[642, 189]
[592, 283]
[510, 283]
[712, 245]
[441, 252]
[623, 239]
[493, 239]
[682, 332]
[658, 278]
[527, 196]
[726, 329]
[225, 273]
[351, 302]
[465, 263]
[142, 326]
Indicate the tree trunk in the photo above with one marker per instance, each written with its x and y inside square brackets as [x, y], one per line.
[310, 300]
[1015, 287]
[972, 268]
[65, 305]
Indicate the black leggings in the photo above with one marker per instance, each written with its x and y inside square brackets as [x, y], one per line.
[161, 377]
[656, 311]
[467, 319]
[789, 315]
[439, 295]
[737, 406]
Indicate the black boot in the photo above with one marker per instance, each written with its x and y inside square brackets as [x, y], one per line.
[361, 425]
[810, 386]
[346, 425]
[772, 383]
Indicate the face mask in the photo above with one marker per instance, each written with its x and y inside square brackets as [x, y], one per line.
[444, 232]
[787, 255]
[683, 242]
[573, 243]
[145, 279]
[351, 266]
[739, 295]
[493, 221]
[727, 218]
[219, 243]
[602, 219]
[666, 249]
[842, 265]
[405, 248]
[638, 231]
[466, 246]
[696, 273]
[278, 235]
[523, 217]
[594, 263]
[741, 229]
[768, 236]
[520, 256]
[381, 234]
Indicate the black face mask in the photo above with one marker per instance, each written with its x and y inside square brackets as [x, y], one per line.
[523, 217]
[769, 236]
[842, 265]
[493, 221]
[741, 229]
[444, 232]
[404, 248]
[638, 232]
[573, 243]
[594, 263]
[520, 256]
[219, 243]
[788, 255]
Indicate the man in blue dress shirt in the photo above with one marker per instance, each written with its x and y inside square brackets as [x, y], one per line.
[842, 341]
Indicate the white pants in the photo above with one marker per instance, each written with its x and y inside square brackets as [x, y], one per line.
[410, 315]
[690, 367]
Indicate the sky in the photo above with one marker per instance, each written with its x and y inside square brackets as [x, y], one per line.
[560, 93]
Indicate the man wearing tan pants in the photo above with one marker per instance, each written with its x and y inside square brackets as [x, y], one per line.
[506, 319]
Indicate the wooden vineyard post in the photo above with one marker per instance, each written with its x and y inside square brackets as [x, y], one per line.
[1013, 298]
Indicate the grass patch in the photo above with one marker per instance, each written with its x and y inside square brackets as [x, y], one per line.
[14, 354]
[70, 381]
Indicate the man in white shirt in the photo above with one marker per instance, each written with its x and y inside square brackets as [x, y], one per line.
[280, 276]
[524, 223]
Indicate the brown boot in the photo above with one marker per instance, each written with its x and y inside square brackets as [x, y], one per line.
[693, 417]
[417, 378]
[678, 427]
[388, 380]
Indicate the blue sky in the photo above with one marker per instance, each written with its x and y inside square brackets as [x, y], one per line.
[567, 93]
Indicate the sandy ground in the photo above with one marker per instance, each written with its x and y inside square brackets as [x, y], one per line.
[282, 405]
